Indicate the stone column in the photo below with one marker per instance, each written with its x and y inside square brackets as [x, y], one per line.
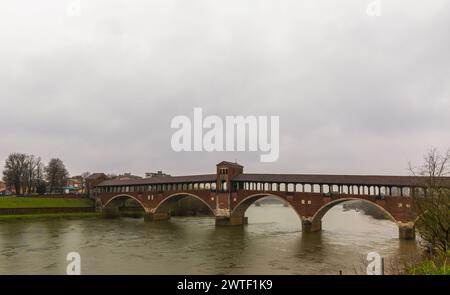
[308, 226]
[159, 216]
[406, 231]
[231, 221]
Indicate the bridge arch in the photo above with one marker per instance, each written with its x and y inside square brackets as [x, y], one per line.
[162, 207]
[316, 219]
[243, 205]
[120, 199]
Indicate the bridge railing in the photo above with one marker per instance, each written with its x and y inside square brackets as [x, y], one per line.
[378, 196]
[326, 189]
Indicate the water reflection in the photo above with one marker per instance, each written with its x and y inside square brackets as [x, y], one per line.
[272, 243]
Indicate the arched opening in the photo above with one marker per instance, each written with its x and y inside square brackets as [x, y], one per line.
[123, 205]
[185, 204]
[260, 200]
[307, 188]
[369, 208]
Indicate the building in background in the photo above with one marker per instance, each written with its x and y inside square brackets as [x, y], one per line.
[93, 180]
[126, 176]
[74, 185]
[2, 187]
[155, 174]
[5, 190]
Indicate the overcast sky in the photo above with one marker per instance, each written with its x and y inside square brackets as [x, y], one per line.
[356, 94]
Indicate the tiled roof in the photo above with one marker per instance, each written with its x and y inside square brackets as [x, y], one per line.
[339, 179]
[286, 178]
[229, 164]
[161, 180]
[96, 175]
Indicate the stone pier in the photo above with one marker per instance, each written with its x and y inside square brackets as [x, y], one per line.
[159, 216]
[231, 221]
[309, 227]
[406, 232]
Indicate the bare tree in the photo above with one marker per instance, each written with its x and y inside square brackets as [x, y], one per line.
[33, 175]
[23, 172]
[14, 171]
[56, 175]
[433, 202]
[84, 177]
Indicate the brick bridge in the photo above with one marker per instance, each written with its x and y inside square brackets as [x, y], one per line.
[229, 193]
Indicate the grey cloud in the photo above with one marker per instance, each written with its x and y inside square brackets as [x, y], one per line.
[355, 94]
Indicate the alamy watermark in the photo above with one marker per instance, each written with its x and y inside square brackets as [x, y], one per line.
[374, 8]
[73, 8]
[376, 265]
[74, 266]
[233, 133]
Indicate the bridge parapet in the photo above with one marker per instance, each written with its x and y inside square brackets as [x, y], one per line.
[229, 193]
[230, 208]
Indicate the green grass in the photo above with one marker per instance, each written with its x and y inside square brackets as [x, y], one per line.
[38, 202]
[50, 215]
[429, 268]
[436, 266]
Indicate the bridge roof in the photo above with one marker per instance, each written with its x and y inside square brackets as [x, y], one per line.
[227, 163]
[286, 178]
[161, 180]
[339, 179]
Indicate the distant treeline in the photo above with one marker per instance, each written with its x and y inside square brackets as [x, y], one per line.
[27, 174]
[367, 208]
[185, 207]
[193, 207]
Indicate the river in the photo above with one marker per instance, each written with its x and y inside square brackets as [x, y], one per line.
[272, 243]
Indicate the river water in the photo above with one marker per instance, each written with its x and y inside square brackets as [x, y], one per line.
[272, 243]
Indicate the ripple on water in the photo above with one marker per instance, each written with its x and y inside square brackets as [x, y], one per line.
[271, 244]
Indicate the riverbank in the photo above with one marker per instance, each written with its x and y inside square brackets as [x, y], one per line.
[33, 207]
[50, 216]
[435, 265]
[44, 202]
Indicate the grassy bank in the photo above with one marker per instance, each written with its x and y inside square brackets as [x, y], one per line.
[38, 202]
[438, 265]
[50, 215]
